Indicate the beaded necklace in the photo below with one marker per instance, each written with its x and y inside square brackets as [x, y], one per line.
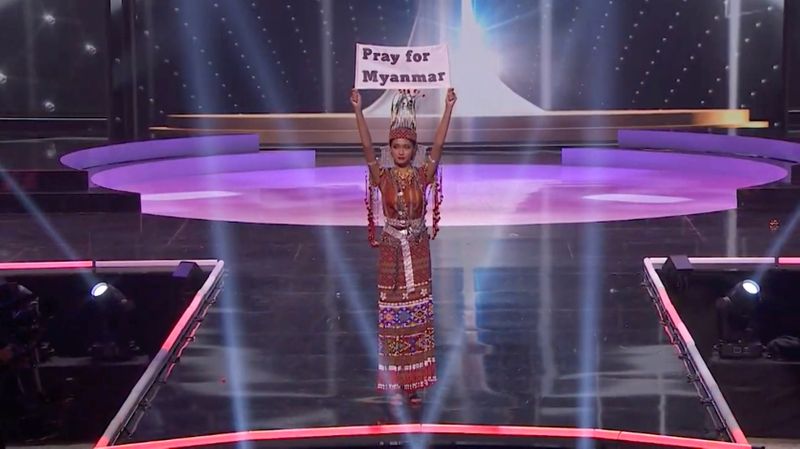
[402, 179]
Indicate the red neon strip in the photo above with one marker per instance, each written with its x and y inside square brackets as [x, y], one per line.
[673, 314]
[736, 432]
[789, 260]
[50, 265]
[515, 431]
[172, 338]
[665, 440]
[436, 429]
[440, 429]
[169, 342]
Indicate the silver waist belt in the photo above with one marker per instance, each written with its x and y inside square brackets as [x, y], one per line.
[405, 224]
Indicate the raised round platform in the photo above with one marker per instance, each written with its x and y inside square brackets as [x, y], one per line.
[265, 188]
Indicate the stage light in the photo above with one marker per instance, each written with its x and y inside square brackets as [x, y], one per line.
[744, 297]
[751, 287]
[99, 289]
[736, 315]
[110, 294]
[188, 277]
[677, 271]
[112, 319]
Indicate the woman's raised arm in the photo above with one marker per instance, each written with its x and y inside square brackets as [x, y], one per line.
[366, 138]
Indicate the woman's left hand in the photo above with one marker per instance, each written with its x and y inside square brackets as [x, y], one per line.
[451, 98]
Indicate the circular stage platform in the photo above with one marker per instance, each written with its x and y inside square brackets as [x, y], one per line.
[478, 194]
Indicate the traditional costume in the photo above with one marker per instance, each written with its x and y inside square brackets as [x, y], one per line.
[406, 356]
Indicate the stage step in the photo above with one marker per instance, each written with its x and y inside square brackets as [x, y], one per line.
[793, 120]
[338, 129]
[771, 197]
[95, 200]
[45, 180]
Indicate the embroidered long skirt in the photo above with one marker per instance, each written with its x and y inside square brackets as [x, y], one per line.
[406, 359]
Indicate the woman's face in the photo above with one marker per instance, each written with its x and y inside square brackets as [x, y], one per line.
[402, 151]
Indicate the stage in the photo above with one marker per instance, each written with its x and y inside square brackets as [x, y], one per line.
[184, 191]
[544, 187]
[544, 332]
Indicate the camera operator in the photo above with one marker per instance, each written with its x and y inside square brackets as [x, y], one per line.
[6, 383]
[20, 332]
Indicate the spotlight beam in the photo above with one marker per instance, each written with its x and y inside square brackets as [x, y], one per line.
[352, 294]
[247, 30]
[733, 11]
[777, 243]
[43, 222]
[220, 238]
[591, 288]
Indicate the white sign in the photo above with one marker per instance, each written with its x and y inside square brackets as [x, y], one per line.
[379, 67]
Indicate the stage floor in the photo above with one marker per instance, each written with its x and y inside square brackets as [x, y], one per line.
[537, 325]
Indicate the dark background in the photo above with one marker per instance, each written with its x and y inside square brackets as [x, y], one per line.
[53, 58]
[264, 56]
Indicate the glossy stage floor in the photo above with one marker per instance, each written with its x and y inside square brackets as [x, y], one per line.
[539, 323]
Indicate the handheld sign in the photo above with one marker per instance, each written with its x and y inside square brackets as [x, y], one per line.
[389, 68]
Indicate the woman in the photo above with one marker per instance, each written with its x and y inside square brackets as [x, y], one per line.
[404, 177]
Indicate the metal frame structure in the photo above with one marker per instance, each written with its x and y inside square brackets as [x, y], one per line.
[170, 352]
[679, 335]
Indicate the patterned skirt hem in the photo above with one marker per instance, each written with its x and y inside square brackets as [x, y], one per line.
[416, 386]
[409, 381]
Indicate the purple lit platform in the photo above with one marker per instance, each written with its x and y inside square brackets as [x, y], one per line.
[286, 187]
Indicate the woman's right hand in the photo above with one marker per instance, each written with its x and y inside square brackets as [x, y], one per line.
[355, 99]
